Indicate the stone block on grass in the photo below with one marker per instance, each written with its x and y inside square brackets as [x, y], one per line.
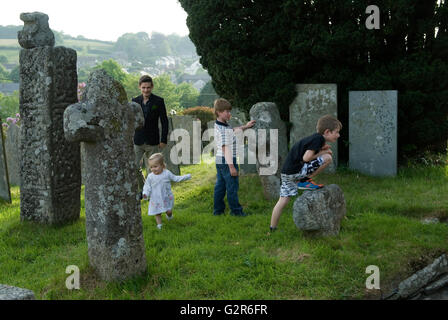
[320, 212]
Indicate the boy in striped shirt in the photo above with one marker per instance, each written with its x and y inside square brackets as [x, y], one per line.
[226, 164]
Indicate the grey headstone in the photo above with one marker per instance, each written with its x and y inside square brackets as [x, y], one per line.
[5, 192]
[312, 102]
[36, 32]
[12, 147]
[319, 212]
[373, 132]
[49, 165]
[105, 123]
[15, 293]
[267, 117]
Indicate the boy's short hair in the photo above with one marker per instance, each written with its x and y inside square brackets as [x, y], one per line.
[158, 158]
[221, 104]
[328, 122]
[145, 78]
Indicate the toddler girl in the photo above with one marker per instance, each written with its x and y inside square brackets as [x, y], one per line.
[158, 188]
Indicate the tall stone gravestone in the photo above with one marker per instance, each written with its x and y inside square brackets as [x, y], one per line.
[12, 147]
[271, 146]
[373, 132]
[312, 102]
[105, 123]
[50, 175]
[5, 192]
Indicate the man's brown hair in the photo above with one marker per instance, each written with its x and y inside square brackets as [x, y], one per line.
[220, 105]
[145, 78]
[328, 122]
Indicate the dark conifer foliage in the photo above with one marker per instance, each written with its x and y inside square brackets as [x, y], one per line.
[257, 50]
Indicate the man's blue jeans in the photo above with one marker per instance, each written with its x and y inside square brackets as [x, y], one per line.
[225, 182]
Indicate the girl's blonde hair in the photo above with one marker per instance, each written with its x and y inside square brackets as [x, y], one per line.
[157, 158]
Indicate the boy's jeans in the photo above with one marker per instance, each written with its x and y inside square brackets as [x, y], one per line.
[225, 182]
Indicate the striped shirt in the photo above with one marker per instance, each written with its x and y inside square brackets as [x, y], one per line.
[224, 136]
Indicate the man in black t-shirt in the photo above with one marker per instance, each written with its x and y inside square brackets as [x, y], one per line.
[306, 159]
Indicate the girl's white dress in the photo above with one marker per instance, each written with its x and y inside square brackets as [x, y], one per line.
[158, 188]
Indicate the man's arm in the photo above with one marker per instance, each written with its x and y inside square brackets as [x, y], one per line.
[164, 121]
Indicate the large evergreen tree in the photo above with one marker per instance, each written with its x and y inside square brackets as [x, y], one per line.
[257, 50]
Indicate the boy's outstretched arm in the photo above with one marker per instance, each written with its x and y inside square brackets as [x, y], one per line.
[248, 125]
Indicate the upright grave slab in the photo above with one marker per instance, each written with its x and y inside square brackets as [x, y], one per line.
[312, 102]
[50, 174]
[5, 192]
[271, 146]
[105, 123]
[12, 147]
[373, 132]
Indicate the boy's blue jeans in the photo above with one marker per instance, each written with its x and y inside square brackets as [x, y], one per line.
[225, 182]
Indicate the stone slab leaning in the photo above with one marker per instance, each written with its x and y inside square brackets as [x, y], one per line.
[12, 147]
[15, 293]
[424, 280]
[105, 123]
[50, 173]
[320, 212]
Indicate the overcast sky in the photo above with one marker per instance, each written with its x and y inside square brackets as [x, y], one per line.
[101, 19]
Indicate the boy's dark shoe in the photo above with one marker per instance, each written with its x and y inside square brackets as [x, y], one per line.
[309, 185]
[218, 213]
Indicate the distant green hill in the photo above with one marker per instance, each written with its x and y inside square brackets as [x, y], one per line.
[139, 46]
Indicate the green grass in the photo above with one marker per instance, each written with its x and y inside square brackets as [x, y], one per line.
[200, 256]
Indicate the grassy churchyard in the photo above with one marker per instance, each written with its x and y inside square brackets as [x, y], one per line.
[201, 256]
